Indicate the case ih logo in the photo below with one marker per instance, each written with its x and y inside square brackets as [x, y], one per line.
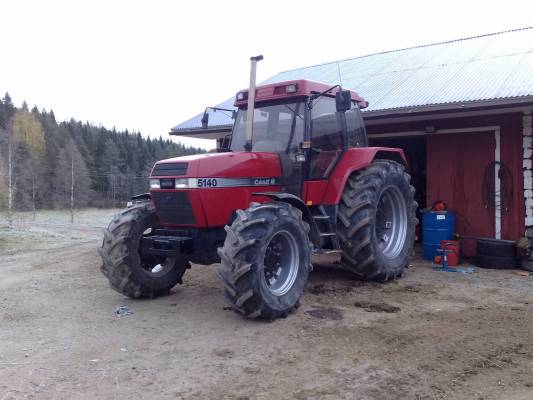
[264, 181]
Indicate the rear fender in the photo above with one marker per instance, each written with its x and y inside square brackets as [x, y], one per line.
[353, 160]
[298, 203]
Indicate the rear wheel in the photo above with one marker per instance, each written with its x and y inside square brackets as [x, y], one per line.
[265, 260]
[128, 270]
[377, 221]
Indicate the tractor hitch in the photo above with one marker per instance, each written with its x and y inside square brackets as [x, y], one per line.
[168, 246]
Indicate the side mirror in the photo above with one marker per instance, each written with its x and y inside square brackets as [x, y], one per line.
[205, 120]
[343, 100]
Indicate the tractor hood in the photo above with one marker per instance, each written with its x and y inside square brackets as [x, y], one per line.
[204, 190]
[220, 165]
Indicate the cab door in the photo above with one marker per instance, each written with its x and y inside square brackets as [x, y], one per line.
[291, 123]
[327, 140]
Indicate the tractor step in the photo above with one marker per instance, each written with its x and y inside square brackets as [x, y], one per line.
[327, 234]
[327, 252]
[324, 218]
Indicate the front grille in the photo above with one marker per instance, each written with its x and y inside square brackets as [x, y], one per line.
[173, 207]
[169, 169]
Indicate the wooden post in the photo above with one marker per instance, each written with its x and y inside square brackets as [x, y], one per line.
[72, 189]
[33, 193]
[10, 176]
[10, 182]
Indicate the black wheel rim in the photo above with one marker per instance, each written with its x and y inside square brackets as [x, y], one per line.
[154, 266]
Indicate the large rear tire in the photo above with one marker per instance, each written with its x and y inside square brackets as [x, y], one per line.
[127, 269]
[265, 260]
[377, 220]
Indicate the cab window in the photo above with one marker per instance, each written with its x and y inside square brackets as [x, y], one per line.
[277, 128]
[326, 137]
[355, 128]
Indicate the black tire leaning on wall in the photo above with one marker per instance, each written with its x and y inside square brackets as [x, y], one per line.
[496, 247]
[364, 254]
[495, 262]
[127, 271]
[244, 260]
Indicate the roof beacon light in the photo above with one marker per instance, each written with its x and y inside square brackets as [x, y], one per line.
[291, 88]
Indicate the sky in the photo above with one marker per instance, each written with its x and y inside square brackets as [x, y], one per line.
[150, 65]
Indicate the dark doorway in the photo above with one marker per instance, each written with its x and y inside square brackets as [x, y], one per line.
[415, 151]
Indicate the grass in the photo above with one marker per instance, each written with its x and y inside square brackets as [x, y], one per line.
[51, 228]
[95, 217]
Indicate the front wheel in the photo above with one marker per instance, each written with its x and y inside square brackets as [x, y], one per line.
[128, 270]
[377, 220]
[265, 260]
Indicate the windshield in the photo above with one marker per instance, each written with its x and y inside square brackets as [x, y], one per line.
[277, 128]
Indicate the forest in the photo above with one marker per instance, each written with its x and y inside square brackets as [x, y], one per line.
[46, 164]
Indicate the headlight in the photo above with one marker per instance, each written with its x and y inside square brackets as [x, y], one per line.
[241, 96]
[181, 183]
[173, 183]
[291, 88]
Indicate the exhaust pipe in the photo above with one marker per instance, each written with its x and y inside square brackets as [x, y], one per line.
[251, 103]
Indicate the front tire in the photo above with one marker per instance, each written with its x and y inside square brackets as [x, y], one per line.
[377, 220]
[129, 271]
[265, 260]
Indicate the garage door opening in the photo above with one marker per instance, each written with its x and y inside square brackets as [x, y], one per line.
[415, 151]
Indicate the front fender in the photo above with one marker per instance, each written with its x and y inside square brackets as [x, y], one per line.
[139, 197]
[298, 203]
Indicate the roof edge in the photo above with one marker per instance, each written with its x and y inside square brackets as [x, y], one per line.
[409, 48]
[455, 106]
[383, 114]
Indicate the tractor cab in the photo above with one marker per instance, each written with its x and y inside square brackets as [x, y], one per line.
[307, 124]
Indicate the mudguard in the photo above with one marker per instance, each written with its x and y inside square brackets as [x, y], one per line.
[298, 203]
[353, 160]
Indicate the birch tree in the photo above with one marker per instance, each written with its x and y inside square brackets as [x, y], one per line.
[3, 172]
[27, 131]
[72, 182]
[7, 110]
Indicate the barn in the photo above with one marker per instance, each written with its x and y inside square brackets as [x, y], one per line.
[461, 110]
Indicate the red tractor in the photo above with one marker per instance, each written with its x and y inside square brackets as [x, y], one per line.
[297, 179]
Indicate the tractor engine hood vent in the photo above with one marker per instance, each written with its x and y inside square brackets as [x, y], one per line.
[170, 169]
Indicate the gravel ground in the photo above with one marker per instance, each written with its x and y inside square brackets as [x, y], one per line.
[430, 335]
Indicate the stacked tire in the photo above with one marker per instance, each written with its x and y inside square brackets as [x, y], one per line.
[496, 254]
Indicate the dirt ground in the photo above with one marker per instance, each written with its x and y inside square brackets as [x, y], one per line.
[430, 335]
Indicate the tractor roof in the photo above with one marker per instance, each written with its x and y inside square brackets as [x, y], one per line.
[298, 88]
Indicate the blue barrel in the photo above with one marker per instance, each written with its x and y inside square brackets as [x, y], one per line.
[436, 226]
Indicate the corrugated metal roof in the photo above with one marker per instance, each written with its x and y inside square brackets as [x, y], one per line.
[488, 67]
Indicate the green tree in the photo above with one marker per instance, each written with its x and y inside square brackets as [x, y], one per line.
[7, 110]
[34, 168]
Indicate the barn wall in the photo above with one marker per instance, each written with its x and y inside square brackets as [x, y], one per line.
[511, 155]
